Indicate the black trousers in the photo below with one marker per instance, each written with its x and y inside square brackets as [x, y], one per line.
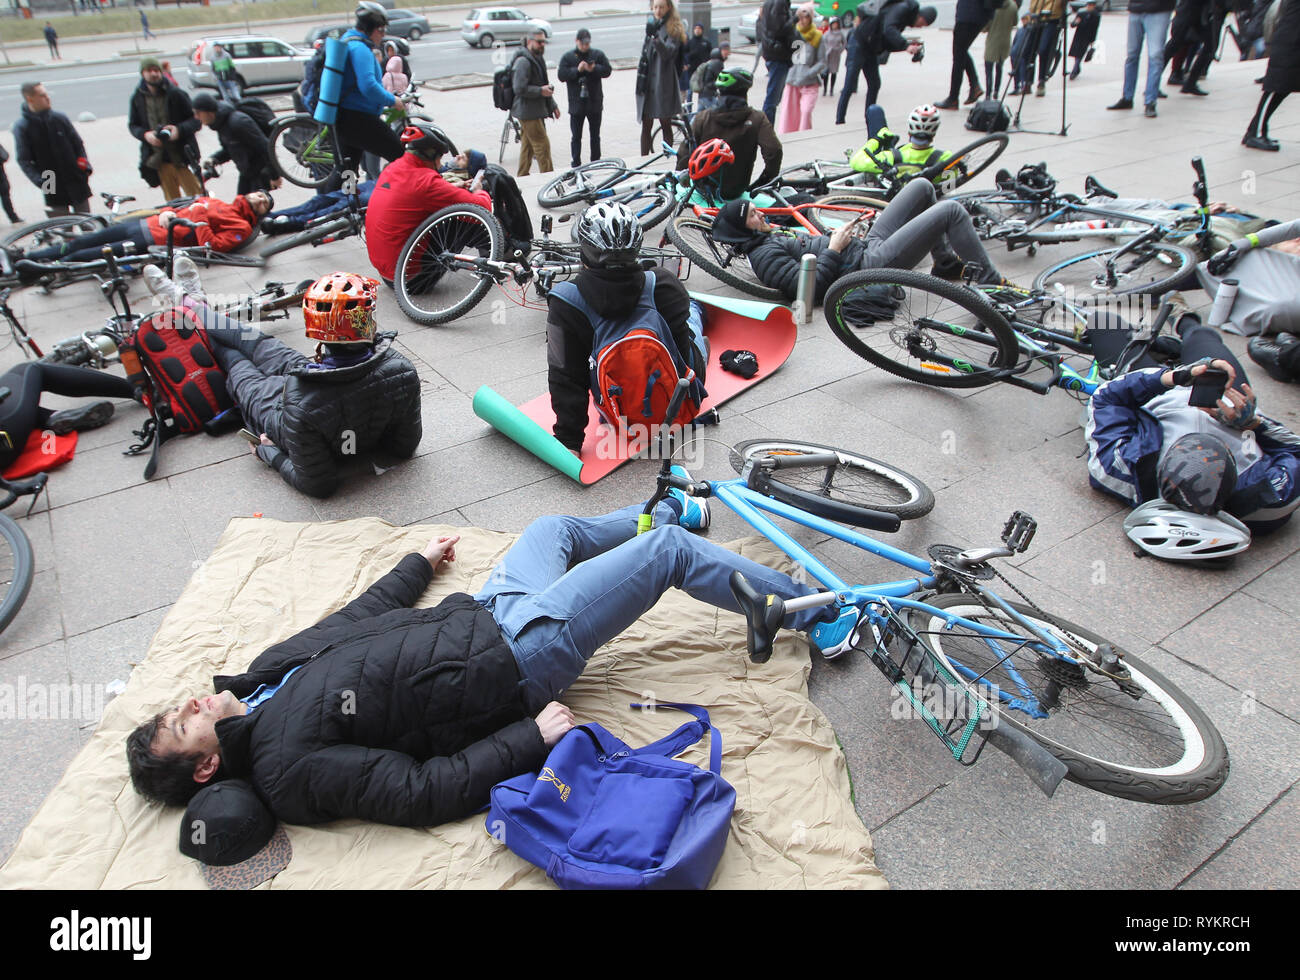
[21, 412]
[580, 112]
[964, 34]
[361, 132]
[4, 195]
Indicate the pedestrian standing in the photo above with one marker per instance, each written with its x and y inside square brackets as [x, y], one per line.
[851, 66]
[144, 23]
[803, 81]
[582, 70]
[706, 76]
[534, 104]
[777, 45]
[1086, 24]
[833, 45]
[50, 152]
[1282, 76]
[657, 95]
[52, 39]
[162, 119]
[223, 69]
[1148, 20]
[696, 53]
[972, 17]
[1048, 16]
[998, 45]
[4, 189]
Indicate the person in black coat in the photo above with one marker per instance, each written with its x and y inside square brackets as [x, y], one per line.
[971, 17]
[881, 34]
[162, 119]
[242, 142]
[582, 70]
[697, 51]
[1086, 24]
[1282, 77]
[46, 143]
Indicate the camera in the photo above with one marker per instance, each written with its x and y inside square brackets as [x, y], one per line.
[920, 52]
[164, 135]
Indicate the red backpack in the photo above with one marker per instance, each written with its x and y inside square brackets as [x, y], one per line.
[169, 361]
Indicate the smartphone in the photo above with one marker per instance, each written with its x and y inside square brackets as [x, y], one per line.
[1208, 388]
[250, 437]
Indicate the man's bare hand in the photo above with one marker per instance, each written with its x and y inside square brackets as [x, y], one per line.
[553, 722]
[548, 91]
[440, 549]
[266, 441]
[152, 138]
[840, 237]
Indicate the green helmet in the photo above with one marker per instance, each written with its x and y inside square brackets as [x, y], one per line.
[734, 81]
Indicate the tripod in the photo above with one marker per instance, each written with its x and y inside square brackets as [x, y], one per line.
[1036, 27]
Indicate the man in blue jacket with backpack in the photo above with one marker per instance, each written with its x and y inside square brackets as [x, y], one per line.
[363, 97]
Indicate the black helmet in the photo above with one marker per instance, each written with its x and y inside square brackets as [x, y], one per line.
[1197, 473]
[734, 81]
[427, 141]
[370, 16]
[609, 236]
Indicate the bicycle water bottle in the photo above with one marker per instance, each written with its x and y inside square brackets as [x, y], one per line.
[1224, 297]
[331, 82]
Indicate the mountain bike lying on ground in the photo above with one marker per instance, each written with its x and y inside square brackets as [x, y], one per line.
[1059, 699]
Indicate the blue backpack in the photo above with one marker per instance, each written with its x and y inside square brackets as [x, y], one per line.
[603, 815]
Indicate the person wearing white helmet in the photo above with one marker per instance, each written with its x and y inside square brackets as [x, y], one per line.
[885, 150]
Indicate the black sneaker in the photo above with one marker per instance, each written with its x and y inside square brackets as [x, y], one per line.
[1279, 356]
[80, 419]
[1122, 104]
[1150, 111]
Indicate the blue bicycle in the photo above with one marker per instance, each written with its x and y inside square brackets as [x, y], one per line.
[1061, 700]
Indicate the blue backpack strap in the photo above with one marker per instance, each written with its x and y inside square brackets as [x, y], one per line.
[686, 736]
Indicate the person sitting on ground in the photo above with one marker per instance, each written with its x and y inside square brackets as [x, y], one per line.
[465, 693]
[746, 130]
[356, 397]
[408, 191]
[464, 168]
[220, 226]
[611, 285]
[21, 413]
[913, 156]
[901, 236]
[1229, 457]
[242, 142]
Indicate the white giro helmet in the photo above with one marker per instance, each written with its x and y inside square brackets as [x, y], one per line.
[1161, 529]
[922, 124]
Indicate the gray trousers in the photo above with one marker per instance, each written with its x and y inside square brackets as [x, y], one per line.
[914, 226]
[255, 367]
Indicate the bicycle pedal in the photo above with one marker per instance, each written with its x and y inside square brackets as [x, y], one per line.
[1019, 531]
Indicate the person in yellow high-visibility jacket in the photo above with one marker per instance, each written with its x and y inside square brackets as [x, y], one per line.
[911, 157]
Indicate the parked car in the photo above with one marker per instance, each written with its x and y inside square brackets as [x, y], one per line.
[486, 25]
[260, 62]
[748, 29]
[407, 24]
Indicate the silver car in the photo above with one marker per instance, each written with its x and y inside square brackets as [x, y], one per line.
[260, 62]
[486, 25]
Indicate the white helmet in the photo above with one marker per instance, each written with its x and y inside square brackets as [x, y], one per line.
[1161, 529]
[923, 124]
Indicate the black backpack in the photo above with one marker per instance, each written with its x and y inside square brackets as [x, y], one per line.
[989, 116]
[258, 111]
[503, 86]
[509, 208]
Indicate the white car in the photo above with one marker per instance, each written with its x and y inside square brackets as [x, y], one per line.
[260, 62]
[749, 27]
[484, 26]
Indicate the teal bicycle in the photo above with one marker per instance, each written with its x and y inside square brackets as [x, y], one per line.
[1059, 699]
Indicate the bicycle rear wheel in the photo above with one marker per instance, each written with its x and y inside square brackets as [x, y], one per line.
[856, 481]
[1152, 268]
[54, 231]
[303, 151]
[972, 160]
[577, 184]
[694, 237]
[1153, 745]
[938, 333]
[428, 288]
[17, 565]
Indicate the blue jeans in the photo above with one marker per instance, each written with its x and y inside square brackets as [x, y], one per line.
[776, 72]
[569, 585]
[1155, 29]
[229, 89]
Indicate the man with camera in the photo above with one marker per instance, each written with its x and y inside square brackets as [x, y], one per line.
[881, 34]
[162, 119]
[582, 69]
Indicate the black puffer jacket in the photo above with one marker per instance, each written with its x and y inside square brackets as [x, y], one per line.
[775, 260]
[401, 716]
[777, 31]
[180, 113]
[328, 416]
[47, 142]
[244, 144]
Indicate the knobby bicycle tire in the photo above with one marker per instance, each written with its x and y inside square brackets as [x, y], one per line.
[693, 237]
[1151, 269]
[17, 565]
[934, 322]
[288, 137]
[426, 289]
[857, 483]
[77, 224]
[1172, 752]
[305, 237]
[578, 183]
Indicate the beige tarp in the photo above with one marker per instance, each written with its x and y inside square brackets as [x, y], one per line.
[794, 825]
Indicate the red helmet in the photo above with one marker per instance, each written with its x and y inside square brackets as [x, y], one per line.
[340, 308]
[710, 157]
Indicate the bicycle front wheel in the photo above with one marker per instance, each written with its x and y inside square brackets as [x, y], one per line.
[1152, 268]
[856, 482]
[16, 568]
[694, 237]
[579, 183]
[972, 160]
[921, 328]
[1148, 742]
[428, 286]
[303, 151]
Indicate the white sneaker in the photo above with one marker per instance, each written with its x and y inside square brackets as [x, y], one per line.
[186, 274]
[162, 287]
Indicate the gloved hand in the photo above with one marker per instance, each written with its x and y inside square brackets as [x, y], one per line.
[1221, 262]
[651, 26]
[83, 165]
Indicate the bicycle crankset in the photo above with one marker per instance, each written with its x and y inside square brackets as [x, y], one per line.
[949, 558]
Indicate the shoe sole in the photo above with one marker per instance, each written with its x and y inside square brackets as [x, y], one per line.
[93, 418]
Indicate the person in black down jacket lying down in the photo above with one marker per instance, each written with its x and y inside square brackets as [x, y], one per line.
[358, 396]
[409, 716]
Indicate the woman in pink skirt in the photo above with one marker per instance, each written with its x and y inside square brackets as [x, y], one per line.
[804, 82]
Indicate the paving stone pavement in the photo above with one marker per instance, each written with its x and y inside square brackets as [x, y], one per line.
[113, 551]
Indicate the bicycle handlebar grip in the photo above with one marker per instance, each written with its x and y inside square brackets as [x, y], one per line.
[110, 260]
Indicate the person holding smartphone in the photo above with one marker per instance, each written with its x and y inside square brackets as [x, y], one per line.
[1142, 424]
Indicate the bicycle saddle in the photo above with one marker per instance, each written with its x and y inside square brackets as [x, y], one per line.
[764, 615]
[1093, 188]
[114, 199]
